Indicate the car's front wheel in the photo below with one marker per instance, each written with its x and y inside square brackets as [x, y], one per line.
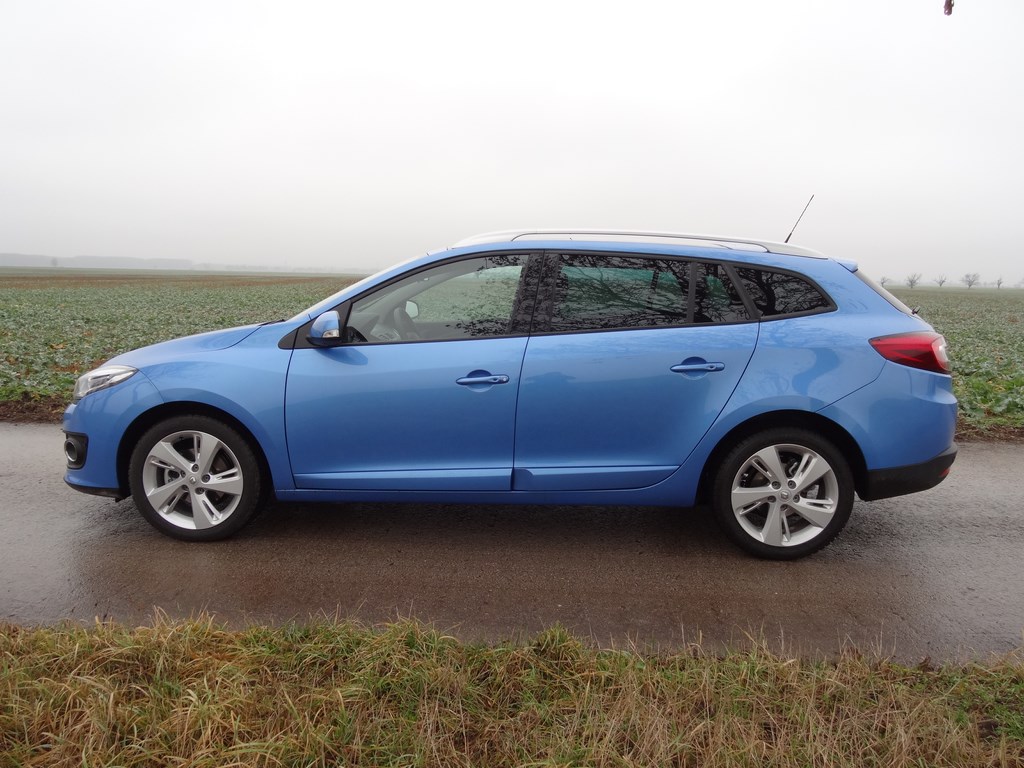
[783, 493]
[195, 478]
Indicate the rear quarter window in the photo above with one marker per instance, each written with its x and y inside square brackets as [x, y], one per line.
[782, 293]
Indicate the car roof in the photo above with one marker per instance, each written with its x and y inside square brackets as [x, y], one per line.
[638, 236]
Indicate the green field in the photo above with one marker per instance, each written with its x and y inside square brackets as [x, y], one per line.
[56, 324]
[984, 328]
[338, 694]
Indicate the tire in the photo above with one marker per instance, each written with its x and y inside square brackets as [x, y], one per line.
[195, 478]
[783, 518]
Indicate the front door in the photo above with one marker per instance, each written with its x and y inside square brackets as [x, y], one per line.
[424, 398]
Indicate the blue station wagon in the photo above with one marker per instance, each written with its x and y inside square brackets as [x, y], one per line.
[765, 381]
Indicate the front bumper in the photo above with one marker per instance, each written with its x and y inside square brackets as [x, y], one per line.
[899, 481]
[96, 425]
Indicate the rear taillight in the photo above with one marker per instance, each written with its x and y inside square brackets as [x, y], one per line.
[923, 349]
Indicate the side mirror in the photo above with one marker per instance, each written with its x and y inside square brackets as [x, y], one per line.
[412, 309]
[326, 330]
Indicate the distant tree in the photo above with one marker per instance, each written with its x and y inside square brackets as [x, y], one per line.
[883, 280]
[999, 282]
[54, 262]
[970, 279]
[913, 280]
[941, 280]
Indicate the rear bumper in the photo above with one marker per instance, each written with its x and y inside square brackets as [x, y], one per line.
[898, 481]
[113, 493]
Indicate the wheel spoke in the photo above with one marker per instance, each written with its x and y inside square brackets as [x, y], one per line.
[206, 450]
[164, 455]
[767, 462]
[229, 482]
[203, 512]
[817, 512]
[746, 499]
[165, 498]
[812, 468]
[772, 533]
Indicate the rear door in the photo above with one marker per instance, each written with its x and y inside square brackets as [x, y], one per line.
[631, 360]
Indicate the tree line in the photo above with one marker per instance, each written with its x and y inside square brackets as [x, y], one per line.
[970, 279]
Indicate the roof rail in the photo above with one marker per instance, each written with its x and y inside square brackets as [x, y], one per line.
[713, 241]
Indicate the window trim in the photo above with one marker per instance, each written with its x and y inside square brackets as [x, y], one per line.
[748, 300]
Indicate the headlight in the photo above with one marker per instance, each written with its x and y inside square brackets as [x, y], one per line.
[101, 378]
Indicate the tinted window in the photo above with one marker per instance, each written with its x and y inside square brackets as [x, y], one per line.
[780, 293]
[596, 291]
[715, 297]
[474, 298]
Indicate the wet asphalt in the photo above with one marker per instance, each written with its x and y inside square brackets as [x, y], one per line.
[936, 575]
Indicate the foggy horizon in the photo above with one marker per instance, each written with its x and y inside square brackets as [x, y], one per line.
[316, 136]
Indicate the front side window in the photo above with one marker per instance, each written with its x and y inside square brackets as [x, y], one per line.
[468, 299]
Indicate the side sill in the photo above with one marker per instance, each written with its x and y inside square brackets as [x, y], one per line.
[899, 481]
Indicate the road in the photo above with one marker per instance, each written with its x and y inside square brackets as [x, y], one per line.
[935, 575]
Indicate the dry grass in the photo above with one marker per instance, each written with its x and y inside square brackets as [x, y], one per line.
[334, 693]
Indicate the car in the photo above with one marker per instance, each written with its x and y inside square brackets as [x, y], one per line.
[759, 380]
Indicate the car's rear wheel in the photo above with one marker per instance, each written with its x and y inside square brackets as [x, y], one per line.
[195, 478]
[783, 493]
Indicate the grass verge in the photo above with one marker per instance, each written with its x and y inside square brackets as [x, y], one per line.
[336, 693]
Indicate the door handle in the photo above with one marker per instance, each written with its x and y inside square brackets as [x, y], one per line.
[702, 367]
[469, 381]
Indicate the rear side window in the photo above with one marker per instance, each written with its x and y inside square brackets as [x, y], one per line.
[607, 292]
[595, 292]
[782, 293]
[715, 298]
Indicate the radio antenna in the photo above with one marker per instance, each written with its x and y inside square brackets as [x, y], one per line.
[798, 219]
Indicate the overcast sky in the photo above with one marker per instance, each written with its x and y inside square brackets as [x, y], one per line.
[345, 136]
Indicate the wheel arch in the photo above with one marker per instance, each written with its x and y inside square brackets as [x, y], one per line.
[813, 422]
[165, 411]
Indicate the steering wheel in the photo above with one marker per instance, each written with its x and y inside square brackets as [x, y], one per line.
[392, 326]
